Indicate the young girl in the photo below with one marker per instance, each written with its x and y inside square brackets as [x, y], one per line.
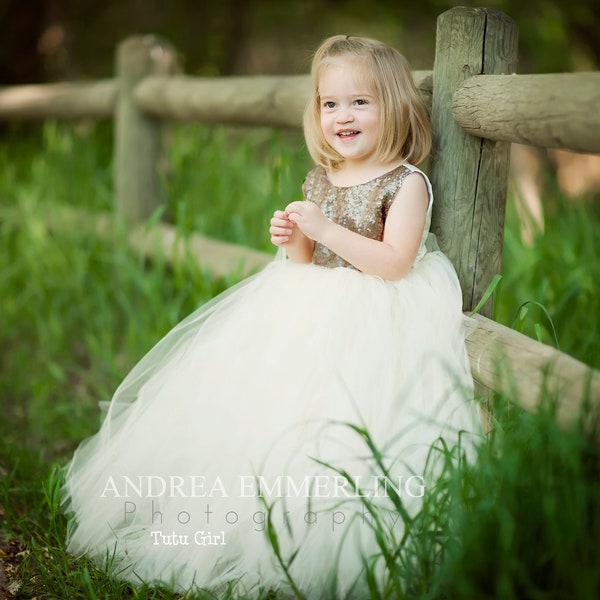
[248, 420]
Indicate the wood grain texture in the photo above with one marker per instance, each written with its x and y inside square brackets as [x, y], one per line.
[138, 139]
[559, 110]
[469, 175]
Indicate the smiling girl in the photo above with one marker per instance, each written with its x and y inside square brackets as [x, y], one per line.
[361, 329]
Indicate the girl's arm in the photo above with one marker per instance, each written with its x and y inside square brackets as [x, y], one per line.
[288, 235]
[390, 258]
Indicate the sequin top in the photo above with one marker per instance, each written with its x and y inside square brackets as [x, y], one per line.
[361, 208]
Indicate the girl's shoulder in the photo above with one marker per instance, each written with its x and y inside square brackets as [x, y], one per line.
[413, 169]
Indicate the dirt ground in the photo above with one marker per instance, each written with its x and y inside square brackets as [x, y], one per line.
[11, 553]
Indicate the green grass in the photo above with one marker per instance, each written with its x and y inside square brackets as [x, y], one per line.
[521, 520]
[554, 282]
[78, 311]
[227, 182]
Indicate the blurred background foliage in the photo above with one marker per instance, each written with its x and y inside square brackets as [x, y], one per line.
[51, 40]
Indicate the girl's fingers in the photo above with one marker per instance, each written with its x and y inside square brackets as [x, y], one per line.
[279, 240]
[280, 230]
[280, 223]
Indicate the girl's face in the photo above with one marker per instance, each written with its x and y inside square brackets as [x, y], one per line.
[349, 112]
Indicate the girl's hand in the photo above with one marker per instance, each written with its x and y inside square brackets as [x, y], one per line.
[309, 218]
[281, 229]
[286, 234]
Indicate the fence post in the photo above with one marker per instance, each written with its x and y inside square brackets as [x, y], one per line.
[469, 175]
[138, 138]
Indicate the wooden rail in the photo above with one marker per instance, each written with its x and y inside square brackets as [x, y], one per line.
[478, 106]
[84, 100]
[554, 111]
[496, 107]
[274, 101]
[525, 370]
[277, 101]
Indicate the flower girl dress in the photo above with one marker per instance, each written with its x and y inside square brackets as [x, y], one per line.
[238, 449]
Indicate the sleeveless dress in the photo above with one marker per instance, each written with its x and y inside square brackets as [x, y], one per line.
[253, 415]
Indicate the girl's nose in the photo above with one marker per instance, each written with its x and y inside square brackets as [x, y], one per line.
[345, 116]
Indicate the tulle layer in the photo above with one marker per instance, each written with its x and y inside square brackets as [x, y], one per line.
[258, 404]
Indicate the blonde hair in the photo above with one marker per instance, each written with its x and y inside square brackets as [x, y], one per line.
[404, 131]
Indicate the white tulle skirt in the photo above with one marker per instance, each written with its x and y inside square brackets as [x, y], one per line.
[253, 416]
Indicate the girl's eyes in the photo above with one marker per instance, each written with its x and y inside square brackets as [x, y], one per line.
[330, 104]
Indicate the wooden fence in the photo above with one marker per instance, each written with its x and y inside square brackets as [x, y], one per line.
[478, 107]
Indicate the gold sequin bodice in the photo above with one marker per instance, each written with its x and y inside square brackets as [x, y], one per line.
[361, 208]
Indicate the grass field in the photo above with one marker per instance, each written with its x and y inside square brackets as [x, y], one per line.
[78, 312]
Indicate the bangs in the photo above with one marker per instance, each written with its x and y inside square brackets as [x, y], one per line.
[364, 75]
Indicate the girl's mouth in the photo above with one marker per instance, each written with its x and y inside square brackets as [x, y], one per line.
[347, 134]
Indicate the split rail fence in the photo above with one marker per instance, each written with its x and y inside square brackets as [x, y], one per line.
[478, 106]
